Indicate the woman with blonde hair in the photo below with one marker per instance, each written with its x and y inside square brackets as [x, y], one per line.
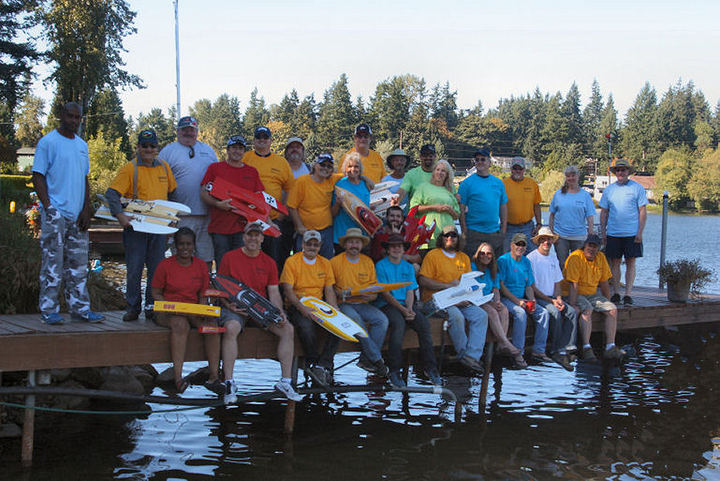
[353, 182]
[436, 199]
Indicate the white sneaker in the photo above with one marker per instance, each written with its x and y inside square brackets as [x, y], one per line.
[287, 390]
[230, 396]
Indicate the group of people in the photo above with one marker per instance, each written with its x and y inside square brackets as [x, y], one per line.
[499, 223]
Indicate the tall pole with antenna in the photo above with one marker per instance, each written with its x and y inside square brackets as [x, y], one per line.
[177, 60]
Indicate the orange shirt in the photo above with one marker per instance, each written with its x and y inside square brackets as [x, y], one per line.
[587, 274]
[439, 267]
[307, 279]
[275, 174]
[154, 182]
[523, 196]
[353, 275]
[373, 165]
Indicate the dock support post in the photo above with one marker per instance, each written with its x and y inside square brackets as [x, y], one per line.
[663, 236]
[490, 348]
[28, 425]
[290, 408]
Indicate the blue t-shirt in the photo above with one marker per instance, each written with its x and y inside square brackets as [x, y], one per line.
[623, 202]
[343, 221]
[395, 187]
[65, 164]
[516, 275]
[387, 272]
[489, 282]
[571, 212]
[483, 197]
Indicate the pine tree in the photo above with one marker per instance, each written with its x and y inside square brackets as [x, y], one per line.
[336, 117]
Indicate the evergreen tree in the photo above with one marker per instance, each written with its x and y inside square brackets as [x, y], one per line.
[256, 114]
[570, 111]
[106, 114]
[591, 118]
[16, 57]
[608, 126]
[164, 126]
[336, 117]
[305, 118]
[28, 119]
[639, 141]
[443, 105]
[391, 109]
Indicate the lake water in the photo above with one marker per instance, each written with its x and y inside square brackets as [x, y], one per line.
[657, 418]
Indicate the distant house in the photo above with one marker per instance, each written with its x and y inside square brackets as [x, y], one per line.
[505, 163]
[647, 181]
[25, 158]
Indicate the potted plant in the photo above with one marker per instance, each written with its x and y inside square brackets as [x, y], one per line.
[684, 277]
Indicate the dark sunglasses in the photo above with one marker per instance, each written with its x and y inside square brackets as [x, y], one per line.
[262, 137]
[450, 234]
[148, 146]
[192, 152]
[521, 244]
[487, 254]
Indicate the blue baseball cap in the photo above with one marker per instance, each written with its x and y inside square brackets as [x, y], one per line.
[262, 130]
[187, 121]
[147, 136]
[235, 140]
[363, 129]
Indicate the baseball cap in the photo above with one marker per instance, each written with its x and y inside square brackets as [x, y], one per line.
[262, 130]
[147, 136]
[519, 237]
[481, 151]
[518, 161]
[427, 149]
[236, 139]
[294, 139]
[187, 121]
[593, 239]
[363, 129]
[254, 226]
[312, 234]
[324, 158]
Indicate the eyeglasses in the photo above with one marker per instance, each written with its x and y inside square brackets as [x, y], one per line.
[620, 169]
[148, 146]
[521, 244]
[486, 254]
[262, 137]
[450, 234]
[542, 240]
[192, 151]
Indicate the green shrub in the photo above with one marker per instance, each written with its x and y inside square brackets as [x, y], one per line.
[13, 187]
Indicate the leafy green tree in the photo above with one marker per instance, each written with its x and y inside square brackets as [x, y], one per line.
[704, 186]
[164, 126]
[391, 109]
[217, 120]
[562, 156]
[106, 114]
[552, 181]
[674, 171]
[704, 135]
[106, 158]
[639, 141]
[8, 144]
[29, 120]
[16, 57]
[85, 41]
[336, 116]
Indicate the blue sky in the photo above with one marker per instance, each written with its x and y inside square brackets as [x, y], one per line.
[487, 50]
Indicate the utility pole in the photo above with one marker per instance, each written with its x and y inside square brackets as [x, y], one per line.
[609, 136]
[177, 60]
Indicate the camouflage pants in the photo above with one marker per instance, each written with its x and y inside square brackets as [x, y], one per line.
[64, 259]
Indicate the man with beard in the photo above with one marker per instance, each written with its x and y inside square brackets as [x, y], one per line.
[394, 219]
[419, 175]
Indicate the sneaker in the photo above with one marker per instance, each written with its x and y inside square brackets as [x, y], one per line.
[588, 355]
[287, 390]
[434, 377]
[563, 360]
[364, 363]
[88, 316]
[380, 369]
[396, 379]
[628, 301]
[130, 316]
[615, 299]
[614, 353]
[216, 386]
[230, 395]
[471, 364]
[52, 319]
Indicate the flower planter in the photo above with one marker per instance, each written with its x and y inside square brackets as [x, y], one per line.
[678, 292]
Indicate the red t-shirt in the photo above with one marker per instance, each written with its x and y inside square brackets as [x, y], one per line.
[256, 272]
[181, 283]
[225, 221]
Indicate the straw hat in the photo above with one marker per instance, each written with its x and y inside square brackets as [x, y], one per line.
[353, 233]
[545, 231]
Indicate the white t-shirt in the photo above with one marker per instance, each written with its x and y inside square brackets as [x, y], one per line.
[189, 172]
[546, 271]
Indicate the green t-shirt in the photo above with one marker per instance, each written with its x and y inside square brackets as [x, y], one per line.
[413, 179]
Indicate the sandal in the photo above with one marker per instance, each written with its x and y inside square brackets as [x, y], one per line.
[511, 351]
[181, 385]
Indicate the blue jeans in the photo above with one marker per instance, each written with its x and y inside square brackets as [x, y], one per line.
[327, 249]
[141, 250]
[526, 229]
[224, 243]
[375, 323]
[306, 330]
[563, 325]
[519, 315]
[472, 343]
[421, 325]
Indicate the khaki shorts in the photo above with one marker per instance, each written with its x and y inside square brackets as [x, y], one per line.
[595, 302]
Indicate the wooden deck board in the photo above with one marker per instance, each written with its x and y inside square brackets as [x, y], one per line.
[26, 343]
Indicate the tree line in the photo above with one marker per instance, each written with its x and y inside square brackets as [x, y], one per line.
[552, 129]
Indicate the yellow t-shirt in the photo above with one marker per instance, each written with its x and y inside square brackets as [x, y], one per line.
[154, 183]
[587, 274]
[373, 165]
[522, 198]
[353, 275]
[307, 279]
[439, 267]
[313, 200]
[275, 174]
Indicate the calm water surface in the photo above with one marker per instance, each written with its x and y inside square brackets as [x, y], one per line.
[656, 418]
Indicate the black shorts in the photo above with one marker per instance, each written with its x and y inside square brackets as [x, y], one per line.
[617, 247]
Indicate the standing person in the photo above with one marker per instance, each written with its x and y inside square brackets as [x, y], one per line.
[572, 215]
[225, 227]
[419, 175]
[352, 182]
[353, 270]
[373, 165]
[295, 157]
[189, 159]
[517, 286]
[484, 202]
[397, 161]
[587, 269]
[548, 293]
[60, 172]
[436, 200]
[251, 266]
[442, 269]
[401, 310]
[277, 177]
[145, 178]
[622, 221]
[308, 274]
[498, 316]
[523, 204]
[183, 278]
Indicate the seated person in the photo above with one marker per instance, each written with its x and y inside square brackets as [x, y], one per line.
[354, 270]
[585, 270]
[254, 268]
[401, 310]
[183, 278]
[308, 274]
[498, 317]
[442, 269]
[548, 280]
[394, 219]
[517, 286]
